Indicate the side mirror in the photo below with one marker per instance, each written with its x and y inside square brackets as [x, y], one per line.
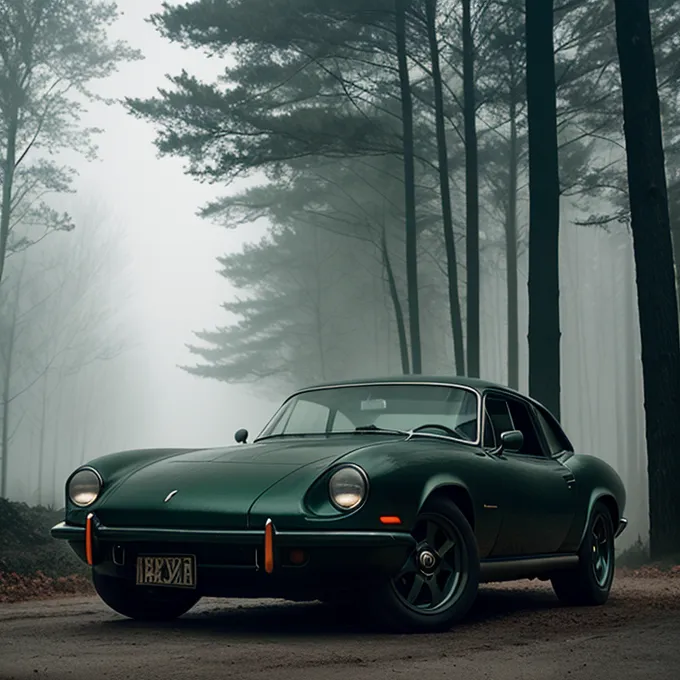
[241, 437]
[511, 441]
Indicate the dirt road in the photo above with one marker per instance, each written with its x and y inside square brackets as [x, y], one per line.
[514, 632]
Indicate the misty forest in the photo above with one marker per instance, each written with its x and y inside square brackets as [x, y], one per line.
[484, 188]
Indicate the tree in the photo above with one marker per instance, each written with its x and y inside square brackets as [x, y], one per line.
[358, 207]
[306, 307]
[657, 297]
[503, 148]
[308, 91]
[56, 322]
[544, 219]
[50, 50]
[471, 192]
[409, 186]
[445, 187]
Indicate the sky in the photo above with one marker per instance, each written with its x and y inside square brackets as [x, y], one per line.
[170, 254]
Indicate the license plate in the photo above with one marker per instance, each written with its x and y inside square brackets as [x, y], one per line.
[164, 570]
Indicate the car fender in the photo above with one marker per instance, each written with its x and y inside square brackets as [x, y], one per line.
[602, 493]
[115, 468]
[485, 525]
[444, 483]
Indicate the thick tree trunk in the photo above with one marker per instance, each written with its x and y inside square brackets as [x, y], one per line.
[544, 213]
[7, 186]
[445, 189]
[657, 299]
[409, 187]
[631, 363]
[511, 254]
[396, 303]
[471, 193]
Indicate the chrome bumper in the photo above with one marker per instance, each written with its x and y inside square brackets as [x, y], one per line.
[623, 523]
[301, 539]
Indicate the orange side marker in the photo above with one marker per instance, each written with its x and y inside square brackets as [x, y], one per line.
[390, 520]
[88, 539]
[269, 546]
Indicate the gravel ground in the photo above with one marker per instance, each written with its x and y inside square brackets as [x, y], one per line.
[515, 631]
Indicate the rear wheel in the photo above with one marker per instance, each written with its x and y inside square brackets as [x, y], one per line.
[589, 584]
[143, 603]
[438, 584]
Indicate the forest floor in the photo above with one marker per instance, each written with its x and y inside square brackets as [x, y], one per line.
[514, 630]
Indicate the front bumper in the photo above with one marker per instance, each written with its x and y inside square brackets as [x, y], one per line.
[233, 562]
[623, 523]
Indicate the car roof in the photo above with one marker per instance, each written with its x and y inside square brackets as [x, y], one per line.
[474, 383]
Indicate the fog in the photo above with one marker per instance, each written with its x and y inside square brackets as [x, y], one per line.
[136, 213]
[163, 287]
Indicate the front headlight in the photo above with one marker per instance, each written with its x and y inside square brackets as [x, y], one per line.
[347, 487]
[84, 487]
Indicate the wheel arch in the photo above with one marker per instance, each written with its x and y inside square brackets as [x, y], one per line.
[453, 490]
[606, 497]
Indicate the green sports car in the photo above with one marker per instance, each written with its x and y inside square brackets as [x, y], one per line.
[398, 494]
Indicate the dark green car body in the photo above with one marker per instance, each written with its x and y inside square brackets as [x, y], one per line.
[529, 510]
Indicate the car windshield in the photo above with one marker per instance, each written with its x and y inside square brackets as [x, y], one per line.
[378, 407]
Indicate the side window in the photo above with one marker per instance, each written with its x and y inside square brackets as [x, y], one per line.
[499, 415]
[489, 434]
[510, 414]
[521, 416]
[555, 443]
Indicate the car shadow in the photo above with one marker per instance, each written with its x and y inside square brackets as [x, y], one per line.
[314, 619]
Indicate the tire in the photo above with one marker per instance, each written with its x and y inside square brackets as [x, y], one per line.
[140, 603]
[426, 597]
[590, 583]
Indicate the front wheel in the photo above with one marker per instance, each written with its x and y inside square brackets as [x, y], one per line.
[590, 582]
[438, 584]
[143, 603]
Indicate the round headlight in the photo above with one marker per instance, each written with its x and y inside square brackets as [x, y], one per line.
[347, 488]
[84, 487]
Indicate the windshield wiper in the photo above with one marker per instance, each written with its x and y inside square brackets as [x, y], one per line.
[375, 428]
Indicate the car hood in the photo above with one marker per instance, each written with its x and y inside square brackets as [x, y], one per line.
[215, 488]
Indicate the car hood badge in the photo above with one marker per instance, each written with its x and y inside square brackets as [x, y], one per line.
[170, 495]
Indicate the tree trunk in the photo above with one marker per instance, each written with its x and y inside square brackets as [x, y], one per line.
[444, 184]
[544, 212]
[657, 299]
[7, 185]
[398, 311]
[511, 253]
[673, 209]
[318, 302]
[631, 364]
[6, 396]
[409, 188]
[43, 430]
[8, 358]
[56, 438]
[471, 193]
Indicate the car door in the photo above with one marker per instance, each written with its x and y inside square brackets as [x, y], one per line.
[539, 501]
